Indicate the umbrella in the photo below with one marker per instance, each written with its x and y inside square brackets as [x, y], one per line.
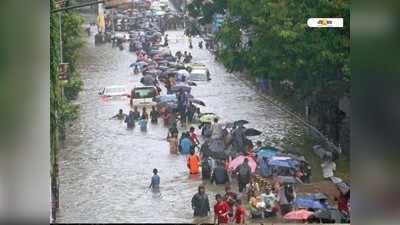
[139, 64]
[169, 105]
[147, 80]
[343, 187]
[252, 132]
[197, 101]
[284, 158]
[281, 163]
[301, 214]
[239, 160]
[216, 145]
[306, 202]
[167, 98]
[191, 83]
[318, 196]
[288, 180]
[163, 61]
[240, 122]
[181, 88]
[208, 118]
[267, 153]
[330, 214]
[163, 68]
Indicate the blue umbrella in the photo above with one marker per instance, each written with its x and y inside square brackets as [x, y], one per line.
[168, 98]
[307, 202]
[267, 153]
[282, 163]
[140, 64]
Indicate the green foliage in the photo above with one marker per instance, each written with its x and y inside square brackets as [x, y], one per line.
[61, 110]
[282, 47]
[72, 88]
[204, 10]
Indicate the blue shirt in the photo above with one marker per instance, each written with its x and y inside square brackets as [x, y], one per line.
[186, 145]
[155, 181]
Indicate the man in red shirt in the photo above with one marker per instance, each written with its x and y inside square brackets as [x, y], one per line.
[240, 212]
[221, 210]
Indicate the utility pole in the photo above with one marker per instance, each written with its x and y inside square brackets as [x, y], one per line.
[61, 44]
[184, 15]
[61, 52]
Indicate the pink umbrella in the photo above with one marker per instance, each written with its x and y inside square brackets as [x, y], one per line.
[301, 214]
[239, 160]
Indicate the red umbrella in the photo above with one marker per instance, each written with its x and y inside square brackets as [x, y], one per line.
[239, 160]
[301, 214]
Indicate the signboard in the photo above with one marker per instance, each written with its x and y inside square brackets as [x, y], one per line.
[63, 71]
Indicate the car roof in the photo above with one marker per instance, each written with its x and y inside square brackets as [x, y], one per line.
[115, 86]
[143, 86]
[199, 70]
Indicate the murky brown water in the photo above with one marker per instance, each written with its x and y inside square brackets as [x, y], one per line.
[105, 169]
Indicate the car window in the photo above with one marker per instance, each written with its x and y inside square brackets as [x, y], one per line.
[144, 93]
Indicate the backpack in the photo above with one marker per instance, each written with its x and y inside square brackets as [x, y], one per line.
[243, 171]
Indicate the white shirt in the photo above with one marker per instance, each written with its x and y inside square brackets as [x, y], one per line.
[328, 168]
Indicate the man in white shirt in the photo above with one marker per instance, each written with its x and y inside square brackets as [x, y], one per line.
[327, 169]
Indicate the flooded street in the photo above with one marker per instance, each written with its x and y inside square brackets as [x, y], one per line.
[105, 169]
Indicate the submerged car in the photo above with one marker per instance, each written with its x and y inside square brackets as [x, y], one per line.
[143, 96]
[116, 92]
[199, 75]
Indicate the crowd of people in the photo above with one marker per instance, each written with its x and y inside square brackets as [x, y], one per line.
[222, 153]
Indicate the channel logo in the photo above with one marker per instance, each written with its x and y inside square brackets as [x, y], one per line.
[325, 22]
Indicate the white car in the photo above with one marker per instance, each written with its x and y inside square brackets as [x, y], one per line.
[116, 92]
[143, 96]
[199, 74]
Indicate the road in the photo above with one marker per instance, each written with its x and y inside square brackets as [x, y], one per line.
[105, 169]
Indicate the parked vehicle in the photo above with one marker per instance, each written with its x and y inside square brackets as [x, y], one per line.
[116, 92]
[199, 74]
[143, 96]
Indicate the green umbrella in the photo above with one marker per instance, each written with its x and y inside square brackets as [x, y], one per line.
[208, 118]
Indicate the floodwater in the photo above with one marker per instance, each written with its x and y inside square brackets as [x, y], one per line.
[105, 169]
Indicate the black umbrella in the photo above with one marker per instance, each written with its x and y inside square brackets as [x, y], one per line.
[147, 80]
[318, 196]
[241, 122]
[191, 83]
[343, 187]
[197, 101]
[288, 180]
[330, 214]
[169, 105]
[252, 132]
